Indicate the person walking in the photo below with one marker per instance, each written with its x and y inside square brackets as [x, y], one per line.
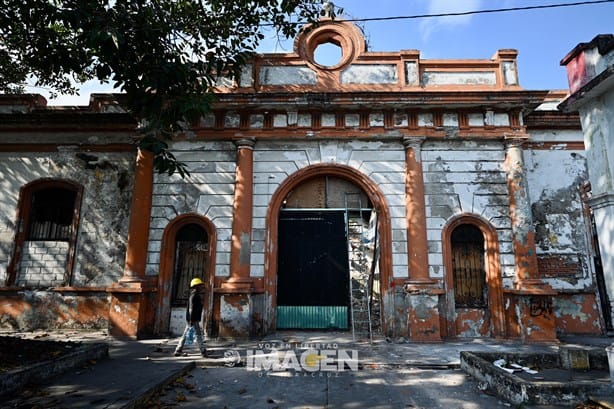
[193, 315]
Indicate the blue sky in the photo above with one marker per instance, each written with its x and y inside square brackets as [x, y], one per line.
[542, 37]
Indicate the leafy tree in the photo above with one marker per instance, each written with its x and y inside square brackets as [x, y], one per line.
[165, 55]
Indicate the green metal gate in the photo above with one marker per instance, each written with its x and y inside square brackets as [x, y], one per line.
[312, 317]
[313, 272]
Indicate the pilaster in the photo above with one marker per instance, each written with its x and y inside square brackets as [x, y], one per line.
[530, 314]
[421, 291]
[140, 215]
[132, 305]
[235, 293]
[242, 215]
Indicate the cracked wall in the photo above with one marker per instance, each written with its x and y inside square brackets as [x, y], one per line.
[101, 239]
[466, 177]
[555, 173]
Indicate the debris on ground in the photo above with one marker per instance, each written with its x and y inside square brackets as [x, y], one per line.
[513, 367]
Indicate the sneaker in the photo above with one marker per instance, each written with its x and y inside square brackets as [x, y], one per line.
[204, 353]
[177, 353]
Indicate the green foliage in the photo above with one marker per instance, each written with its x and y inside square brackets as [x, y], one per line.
[165, 55]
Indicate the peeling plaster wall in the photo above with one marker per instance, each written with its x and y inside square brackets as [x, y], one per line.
[209, 191]
[381, 161]
[101, 239]
[466, 177]
[577, 314]
[107, 187]
[553, 178]
[561, 234]
[30, 310]
[598, 124]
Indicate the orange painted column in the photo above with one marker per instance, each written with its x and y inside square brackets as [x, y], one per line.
[422, 294]
[242, 213]
[417, 246]
[130, 312]
[140, 214]
[529, 306]
[520, 214]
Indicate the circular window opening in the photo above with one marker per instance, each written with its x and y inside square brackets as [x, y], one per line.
[328, 54]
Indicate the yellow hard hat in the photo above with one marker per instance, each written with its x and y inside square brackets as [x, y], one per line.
[195, 282]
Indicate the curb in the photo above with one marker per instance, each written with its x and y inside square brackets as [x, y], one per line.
[43, 371]
[142, 397]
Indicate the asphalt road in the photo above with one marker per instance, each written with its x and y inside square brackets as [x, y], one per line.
[378, 388]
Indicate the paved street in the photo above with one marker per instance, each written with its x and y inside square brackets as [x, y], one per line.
[386, 388]
[387, 375]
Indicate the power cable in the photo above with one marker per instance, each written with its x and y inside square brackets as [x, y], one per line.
[471, 12]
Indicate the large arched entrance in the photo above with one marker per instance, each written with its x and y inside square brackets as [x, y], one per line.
[187, 251]
[316, 221]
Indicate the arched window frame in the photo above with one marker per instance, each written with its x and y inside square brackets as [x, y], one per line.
[24, 216]
[493, 273]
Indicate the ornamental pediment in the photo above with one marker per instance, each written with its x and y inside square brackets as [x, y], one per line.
[357, 69]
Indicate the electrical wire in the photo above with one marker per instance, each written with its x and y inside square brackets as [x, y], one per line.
[471, 12]
[501, 10]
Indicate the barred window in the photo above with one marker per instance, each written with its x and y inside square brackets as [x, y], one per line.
[51, 215]
[191, 251]
[468, 267]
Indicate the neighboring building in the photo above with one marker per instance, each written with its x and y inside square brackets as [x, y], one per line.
[437, 192]
[590, 70]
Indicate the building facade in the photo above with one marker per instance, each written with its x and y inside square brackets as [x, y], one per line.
[380, 193]
[590, 71]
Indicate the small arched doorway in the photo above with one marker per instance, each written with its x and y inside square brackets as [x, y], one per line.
[187, 252]
[309, 259]
[473, 281]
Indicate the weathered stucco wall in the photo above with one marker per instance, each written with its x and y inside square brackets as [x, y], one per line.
[33, 309]
[598, 125]
[554, 175]
[209, 191]
[466, 177]
[382, 161]
[590, 69]
[100, 248]
[107, 185]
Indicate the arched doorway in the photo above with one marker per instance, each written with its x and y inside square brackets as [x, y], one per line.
[474, 293]
[308, 216]
[187, 251]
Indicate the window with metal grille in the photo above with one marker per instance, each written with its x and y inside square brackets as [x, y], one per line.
[468, 267]
[191, 250]
[51, 215]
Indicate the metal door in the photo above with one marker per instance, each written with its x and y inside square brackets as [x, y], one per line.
[313, 276]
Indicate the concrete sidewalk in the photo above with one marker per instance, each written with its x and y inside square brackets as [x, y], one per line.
[137, 369]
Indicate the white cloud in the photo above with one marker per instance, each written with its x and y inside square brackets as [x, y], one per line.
[432, 24]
